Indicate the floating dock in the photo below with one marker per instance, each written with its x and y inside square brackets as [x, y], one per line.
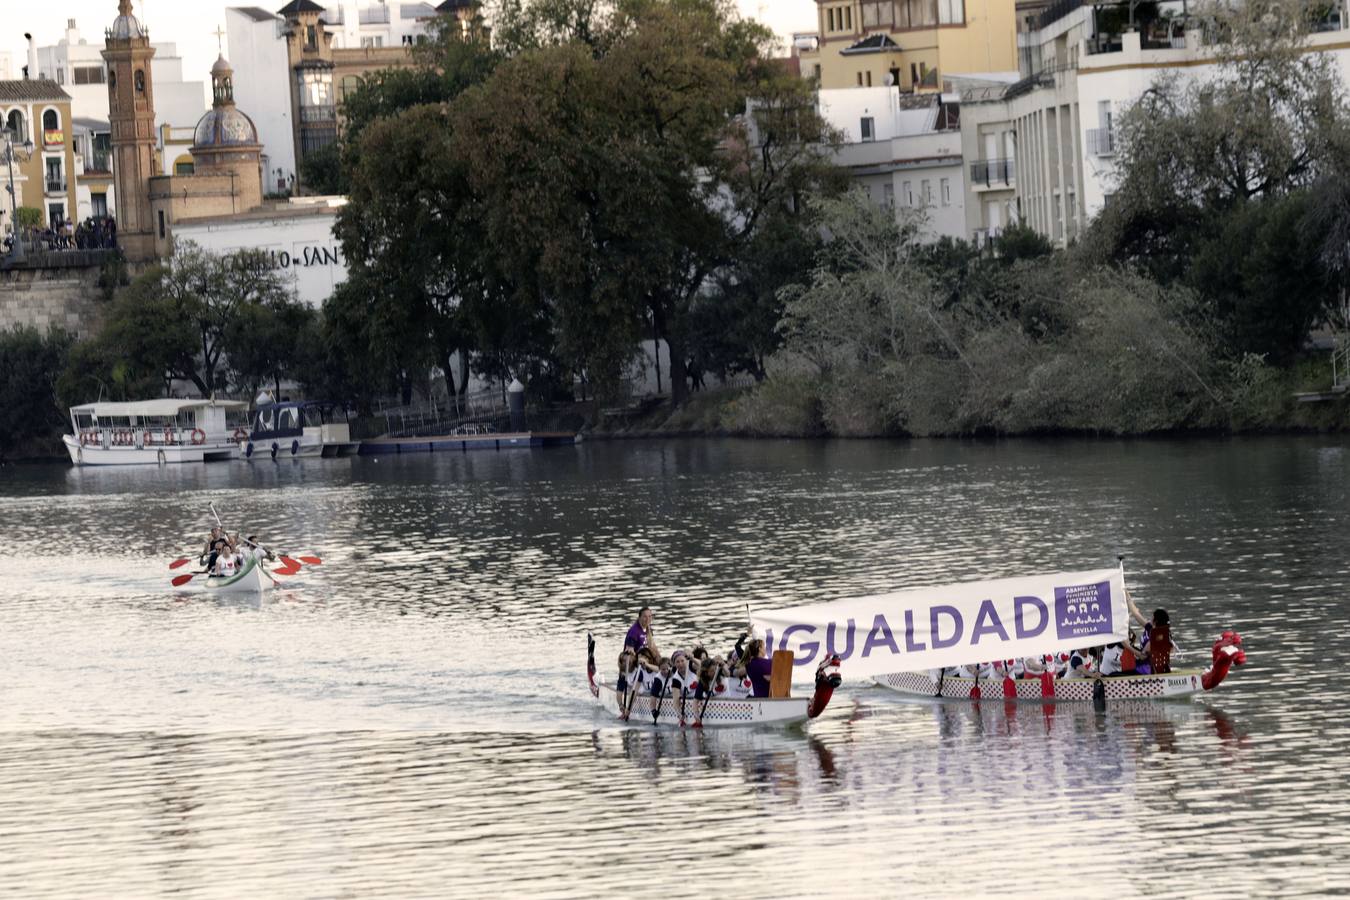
[462, 443]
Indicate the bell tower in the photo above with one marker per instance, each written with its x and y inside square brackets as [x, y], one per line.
[131, 111]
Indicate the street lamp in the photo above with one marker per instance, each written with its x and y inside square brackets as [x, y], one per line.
[16, 253]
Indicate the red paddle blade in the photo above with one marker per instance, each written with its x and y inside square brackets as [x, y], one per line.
[286, 570]
[312, 560]
[180, 580]
[178, 563]
[288, 563]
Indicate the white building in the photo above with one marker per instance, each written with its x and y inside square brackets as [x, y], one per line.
[903, 149]
[297, 235]
[6, 65]
[1042, 150]
[77, 65]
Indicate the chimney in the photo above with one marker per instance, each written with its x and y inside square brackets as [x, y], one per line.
[31, 70]
[72, 33]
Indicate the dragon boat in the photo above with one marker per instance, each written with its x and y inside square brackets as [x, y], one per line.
[1177, 684]
[715, 712]
[251, 578]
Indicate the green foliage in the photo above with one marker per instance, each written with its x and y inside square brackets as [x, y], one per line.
[786, 405]
[31, 419]
[183, 320]
[321, 171]
[28, 217]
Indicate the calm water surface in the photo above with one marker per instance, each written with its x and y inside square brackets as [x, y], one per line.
[411, 716]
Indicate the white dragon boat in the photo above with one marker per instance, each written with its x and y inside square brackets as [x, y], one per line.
[1177, 684]
[714, 712]
[251, 578]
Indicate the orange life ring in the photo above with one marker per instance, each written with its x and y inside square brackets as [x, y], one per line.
[168, 435]
[148, 438]
[198, 436]
[240, 435]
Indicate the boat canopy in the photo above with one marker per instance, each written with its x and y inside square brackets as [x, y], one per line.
[149, 408]
[954, 624]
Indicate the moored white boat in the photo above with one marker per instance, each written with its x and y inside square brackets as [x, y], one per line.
[296, 430]
[151, 432]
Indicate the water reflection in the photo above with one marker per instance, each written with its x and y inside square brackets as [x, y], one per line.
[411, 713]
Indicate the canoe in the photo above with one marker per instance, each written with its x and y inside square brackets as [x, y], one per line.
[718, 712]
[1176, 684]
[251, 578]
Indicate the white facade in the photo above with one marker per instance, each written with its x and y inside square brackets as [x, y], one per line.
[903, 151]
[372, 23]
[298, 236]
[1053, 133]
[6, 65]
[262, 88]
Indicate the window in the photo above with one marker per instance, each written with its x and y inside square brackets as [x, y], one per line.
[140, 81]
[869, 129]
[946, 188]
[61, 75]
[829, 20]
[99, 204]
[348, 86]
[51, 120]
[815, 71]
[869, 77]
[859, 79]
[185, 168]
[161, 223]
[311, 37]
[15, 125]
[927, 192]
[951, 12]
[848, 18]
[372, 41]
[909, 194]
[316, 87]
[112, 80]
[88, 74]
[888, 195]
[56, 214]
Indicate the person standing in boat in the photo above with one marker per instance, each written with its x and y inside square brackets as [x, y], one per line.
[640, 633]
[257, 551]
[756, 667]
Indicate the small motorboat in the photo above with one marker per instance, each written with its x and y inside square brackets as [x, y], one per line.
[715, 712]
[286, 429]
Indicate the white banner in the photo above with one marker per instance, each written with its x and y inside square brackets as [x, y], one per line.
[954, 624]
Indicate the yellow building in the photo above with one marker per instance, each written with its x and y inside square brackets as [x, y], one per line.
[912, 43]
[38, 111]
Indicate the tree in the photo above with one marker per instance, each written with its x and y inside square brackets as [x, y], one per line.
[29, 364]
[264, 343]
[321, 171]
[175, 321]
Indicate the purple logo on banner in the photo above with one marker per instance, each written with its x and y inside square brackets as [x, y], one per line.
[1083, 610]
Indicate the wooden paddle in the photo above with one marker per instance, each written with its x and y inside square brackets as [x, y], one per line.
[780, 675]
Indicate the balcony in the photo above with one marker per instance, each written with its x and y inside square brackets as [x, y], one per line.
[53, 138]
[100, 163]
[56, 185]
[1101, 141]
[318, 114]
[993, 173]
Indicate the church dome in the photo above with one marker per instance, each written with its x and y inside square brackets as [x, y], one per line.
[126, 25]
[224, 126]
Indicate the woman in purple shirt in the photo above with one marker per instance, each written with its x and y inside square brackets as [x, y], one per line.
[640, 633]
[757, 668]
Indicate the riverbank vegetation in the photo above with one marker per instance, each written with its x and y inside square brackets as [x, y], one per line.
[536, 205]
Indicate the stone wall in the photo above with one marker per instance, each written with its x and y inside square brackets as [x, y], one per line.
[68, 298]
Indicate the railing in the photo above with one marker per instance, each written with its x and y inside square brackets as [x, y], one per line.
[1056, 11]
[1340, 368]
[56, 185]
[477, 414]
[994, 171]
[99, 161]
[318, 114]
[1101, 141]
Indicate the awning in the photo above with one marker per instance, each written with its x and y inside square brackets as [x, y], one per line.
[145, 408]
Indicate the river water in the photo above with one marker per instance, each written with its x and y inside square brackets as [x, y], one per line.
[411, 718]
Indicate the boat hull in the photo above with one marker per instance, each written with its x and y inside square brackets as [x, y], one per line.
[303, 447]
[1173, 685]
[719, 713]
[96, 455]
[252, 579]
